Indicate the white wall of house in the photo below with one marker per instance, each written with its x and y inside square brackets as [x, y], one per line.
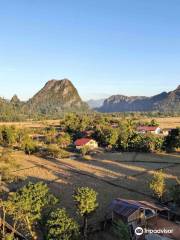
[92, 144]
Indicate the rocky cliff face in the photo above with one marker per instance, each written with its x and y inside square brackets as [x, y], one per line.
[56, 96]
[164, 102]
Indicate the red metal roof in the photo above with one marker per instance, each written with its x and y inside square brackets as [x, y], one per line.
[82, 141]
[147, 128]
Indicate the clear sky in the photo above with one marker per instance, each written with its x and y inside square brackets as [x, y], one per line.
[105, 47]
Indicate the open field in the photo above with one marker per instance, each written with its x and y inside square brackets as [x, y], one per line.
[112, 175]
[164, 122]
[30, 124]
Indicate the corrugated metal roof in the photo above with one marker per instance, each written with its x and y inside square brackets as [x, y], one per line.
[147, 128]
[126, 207]
[123, 207]
[82, 141]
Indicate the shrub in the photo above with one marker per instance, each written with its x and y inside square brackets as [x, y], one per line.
[29, 146]
[56, 152]
[64, 140]
[157, 184]
[121, 230]
[172, 141]
[8, 135]
[84, 150]
[61, 226]
[175, 193]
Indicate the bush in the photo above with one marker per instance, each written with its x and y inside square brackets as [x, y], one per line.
[175, 193]
[157, 184]
[172, 141]
[121, 230]
[29, 146]
[84, 150]
[64, 140]
[8, 135]
[56, 152]
[7, 164]
[145, 143]
[61, 226]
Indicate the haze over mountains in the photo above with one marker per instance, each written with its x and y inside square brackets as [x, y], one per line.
[95, 103]
[163, 102]
[59, 96]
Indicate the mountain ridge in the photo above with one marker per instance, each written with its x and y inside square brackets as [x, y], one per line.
[56, 96]
[164, 102]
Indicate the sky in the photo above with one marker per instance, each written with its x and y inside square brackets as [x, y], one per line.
[104, 47]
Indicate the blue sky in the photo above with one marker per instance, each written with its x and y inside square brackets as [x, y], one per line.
[105, 47]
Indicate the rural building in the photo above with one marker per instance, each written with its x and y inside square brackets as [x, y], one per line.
[149, 129]
[90, 143]
[134, 213]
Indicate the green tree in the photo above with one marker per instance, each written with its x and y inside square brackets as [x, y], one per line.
[8, 135]
[175, 192]
[154, 123]
[157, 184]
[7, 163]
[53, 150]
[86, 202]
[121, 230]
[28, 145]
[84, 150]
[28, 203]
[64, 140]
[61, 227]
[172, 141]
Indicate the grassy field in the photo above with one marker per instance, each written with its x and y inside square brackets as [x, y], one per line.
[112, 175]
[164, 122]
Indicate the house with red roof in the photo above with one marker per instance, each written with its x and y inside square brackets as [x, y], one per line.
[89, 142]
[149, 129]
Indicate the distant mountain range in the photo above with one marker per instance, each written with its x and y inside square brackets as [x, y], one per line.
[163, 102]
[58, 96]
[95, 103]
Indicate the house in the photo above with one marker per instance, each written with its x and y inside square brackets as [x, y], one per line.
[149, 129]
[134, 213]
[90, 143]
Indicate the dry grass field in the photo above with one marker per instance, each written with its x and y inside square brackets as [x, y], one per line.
[164, 122]
[112, 175]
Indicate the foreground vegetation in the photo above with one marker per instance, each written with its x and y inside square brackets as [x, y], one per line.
[34, 210]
